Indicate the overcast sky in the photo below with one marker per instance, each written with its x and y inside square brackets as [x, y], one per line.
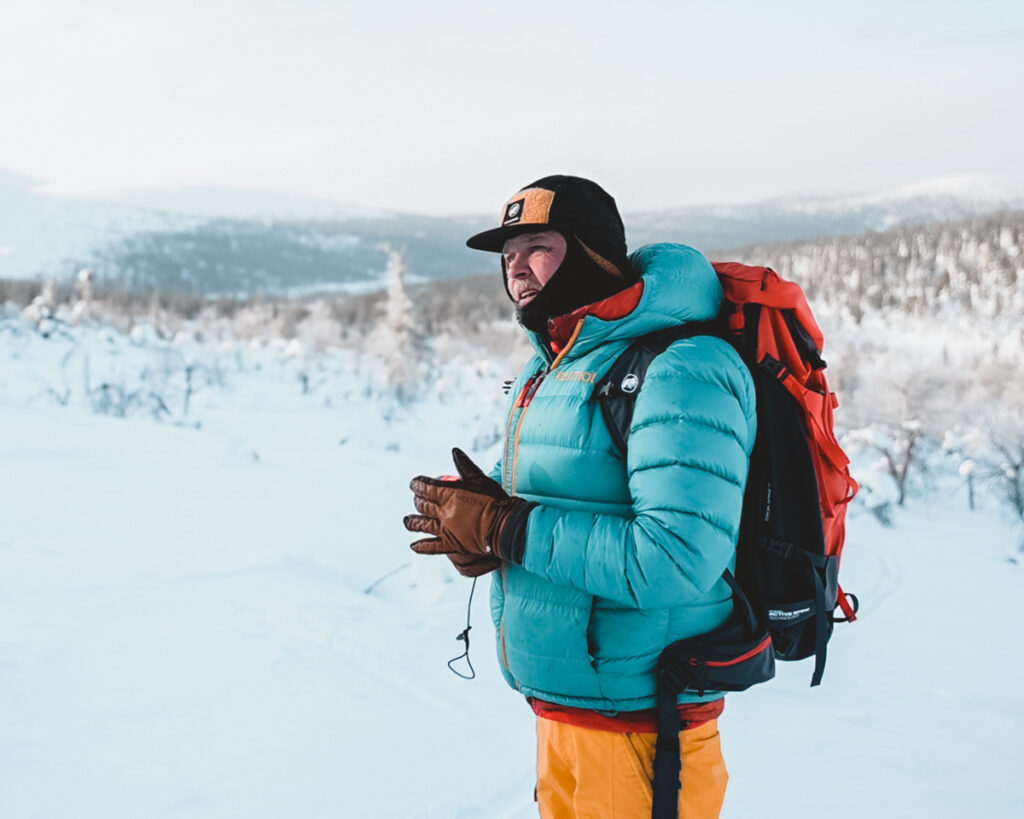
[448, 106]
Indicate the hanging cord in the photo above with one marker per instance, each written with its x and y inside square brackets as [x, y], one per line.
[464, 636]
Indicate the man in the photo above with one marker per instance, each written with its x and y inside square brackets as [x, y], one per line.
[603, 561]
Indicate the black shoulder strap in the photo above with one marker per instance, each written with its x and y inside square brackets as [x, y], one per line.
[617, 391]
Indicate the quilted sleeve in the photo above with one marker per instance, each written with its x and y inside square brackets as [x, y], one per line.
[692, 432]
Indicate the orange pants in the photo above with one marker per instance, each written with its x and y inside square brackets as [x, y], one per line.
[583, 773]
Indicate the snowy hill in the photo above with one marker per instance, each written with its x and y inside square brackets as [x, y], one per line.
[243, 203]
[50, 237]
[972, 267]
[217, 241]
[808, 216]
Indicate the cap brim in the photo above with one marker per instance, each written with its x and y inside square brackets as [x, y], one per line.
[495, 238]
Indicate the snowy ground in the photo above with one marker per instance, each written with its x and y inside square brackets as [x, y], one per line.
[185, 628]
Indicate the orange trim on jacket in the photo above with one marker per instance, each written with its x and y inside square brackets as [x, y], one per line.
[618, 305]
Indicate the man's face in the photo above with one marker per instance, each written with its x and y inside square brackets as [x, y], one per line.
[531, 259]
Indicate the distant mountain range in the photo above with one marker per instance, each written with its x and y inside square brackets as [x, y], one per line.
[810, 216]
[221, 241]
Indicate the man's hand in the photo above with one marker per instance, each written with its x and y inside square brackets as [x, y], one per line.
[473, 565]
[471, 519]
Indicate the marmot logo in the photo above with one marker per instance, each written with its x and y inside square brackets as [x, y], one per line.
[577, 375]
[630, 383]
[513, 212]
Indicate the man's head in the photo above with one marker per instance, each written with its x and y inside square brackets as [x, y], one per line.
[563, 246]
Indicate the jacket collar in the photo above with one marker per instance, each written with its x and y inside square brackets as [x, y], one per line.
[617, 306]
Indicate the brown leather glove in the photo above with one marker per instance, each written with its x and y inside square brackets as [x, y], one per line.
[470, 518]
[474, 565]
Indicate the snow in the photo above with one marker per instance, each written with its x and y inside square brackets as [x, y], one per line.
[185, 628]
[46, 236]
[238, 203]
[968, 192]
[977, 188]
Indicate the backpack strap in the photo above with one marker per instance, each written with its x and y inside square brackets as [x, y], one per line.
[733, 657]
[617, 391]
[668, 759]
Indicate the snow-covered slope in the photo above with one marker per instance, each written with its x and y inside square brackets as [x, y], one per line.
[225, 620]
[934, 200]
[813, 215]
[243, 203]
[44, 236]
[240, 242]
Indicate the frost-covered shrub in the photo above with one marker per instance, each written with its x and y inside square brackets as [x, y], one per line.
[878, 493]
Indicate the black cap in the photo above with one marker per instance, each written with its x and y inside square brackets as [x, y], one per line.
[569, 204]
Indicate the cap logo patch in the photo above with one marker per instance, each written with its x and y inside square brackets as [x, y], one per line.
[513, 212]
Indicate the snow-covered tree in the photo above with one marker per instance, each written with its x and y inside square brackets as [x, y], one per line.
[395, 340]
[84, 291]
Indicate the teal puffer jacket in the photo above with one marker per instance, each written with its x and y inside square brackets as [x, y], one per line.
[624, 557]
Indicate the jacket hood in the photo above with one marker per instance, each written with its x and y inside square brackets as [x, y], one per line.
[677, 286]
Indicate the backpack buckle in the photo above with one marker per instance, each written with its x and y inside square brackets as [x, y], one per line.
[673, 675]
[775, 368]
[682, 673]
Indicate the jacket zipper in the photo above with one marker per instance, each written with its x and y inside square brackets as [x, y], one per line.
[511, 444]
[523, 401]
[528, 394]
[501, 625]
[511, 472]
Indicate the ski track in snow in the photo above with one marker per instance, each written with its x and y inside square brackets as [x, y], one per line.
[184, 630]
[885, 578]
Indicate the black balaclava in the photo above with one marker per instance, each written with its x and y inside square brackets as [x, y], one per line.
[578, 281]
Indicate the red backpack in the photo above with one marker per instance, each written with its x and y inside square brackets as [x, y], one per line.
[772, 326]
[785, 589]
